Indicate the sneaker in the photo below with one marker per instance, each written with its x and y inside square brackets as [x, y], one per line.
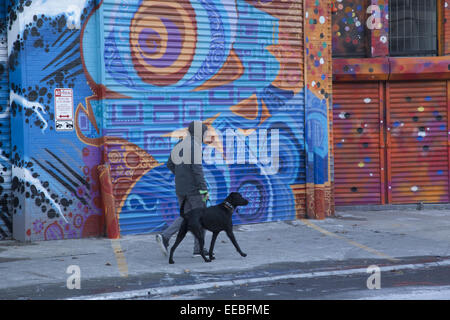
[163, 244]
[197, 253]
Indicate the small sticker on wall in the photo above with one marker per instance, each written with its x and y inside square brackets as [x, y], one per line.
[63, 109]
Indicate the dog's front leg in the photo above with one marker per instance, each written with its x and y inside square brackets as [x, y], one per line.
[201, 241]
[211, 247]
[230, 235]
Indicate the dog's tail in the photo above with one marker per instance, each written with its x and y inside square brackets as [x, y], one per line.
[182, 206]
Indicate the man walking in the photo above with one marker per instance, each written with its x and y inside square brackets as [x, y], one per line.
[185, 162]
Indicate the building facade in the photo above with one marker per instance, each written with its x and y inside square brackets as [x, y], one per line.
[95, 93]
[391, 93]
[314, 103]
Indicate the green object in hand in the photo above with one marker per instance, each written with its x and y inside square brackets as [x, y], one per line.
[205, 195]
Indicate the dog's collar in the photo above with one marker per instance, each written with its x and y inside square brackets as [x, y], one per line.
[228, 205]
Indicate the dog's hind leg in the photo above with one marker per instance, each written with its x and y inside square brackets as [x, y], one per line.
[211, 247]
[230, 235]
[180, 236]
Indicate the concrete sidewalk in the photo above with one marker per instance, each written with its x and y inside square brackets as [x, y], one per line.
[390, 236]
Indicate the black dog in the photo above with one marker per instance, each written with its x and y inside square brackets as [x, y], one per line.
[215, 219]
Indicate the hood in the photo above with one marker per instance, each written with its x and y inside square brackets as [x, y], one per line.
[199, 125]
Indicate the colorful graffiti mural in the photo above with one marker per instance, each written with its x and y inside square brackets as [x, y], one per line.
[378, 24]
[237, 65]
[5, 138]
[319, 146]
[446, 28]
[349, 29]
[55, 187]
[360, 28]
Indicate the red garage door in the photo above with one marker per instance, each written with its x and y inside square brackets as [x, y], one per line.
[413, 165]
[358, 143]
[417, 138]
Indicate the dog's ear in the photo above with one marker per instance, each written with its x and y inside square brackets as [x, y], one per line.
[232, 196]
[239, 199]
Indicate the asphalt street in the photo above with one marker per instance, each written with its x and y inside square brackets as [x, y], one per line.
[415, 282]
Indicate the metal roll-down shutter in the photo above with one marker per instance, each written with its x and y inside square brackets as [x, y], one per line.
[167, 63]
[5, 133]
[358, 143]
[417, 138]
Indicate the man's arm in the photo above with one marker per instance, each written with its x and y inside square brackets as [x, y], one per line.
[197, 168]
[199, 178]
[170, 164]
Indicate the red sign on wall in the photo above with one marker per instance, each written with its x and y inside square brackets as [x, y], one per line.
[63, 109]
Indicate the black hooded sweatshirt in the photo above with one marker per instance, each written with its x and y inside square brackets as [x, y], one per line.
[189, 177]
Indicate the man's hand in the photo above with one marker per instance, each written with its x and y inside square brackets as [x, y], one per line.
[205, 195]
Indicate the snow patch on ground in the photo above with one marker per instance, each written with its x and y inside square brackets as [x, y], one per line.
[411, 293]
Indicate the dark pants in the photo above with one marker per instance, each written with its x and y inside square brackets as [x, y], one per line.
[192, 202]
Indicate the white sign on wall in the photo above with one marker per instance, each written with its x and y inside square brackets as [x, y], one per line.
[63, 109]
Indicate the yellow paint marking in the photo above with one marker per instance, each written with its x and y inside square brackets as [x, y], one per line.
[354, 243]
[120, 257]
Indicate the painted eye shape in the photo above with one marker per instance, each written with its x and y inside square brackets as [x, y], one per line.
[162, 41]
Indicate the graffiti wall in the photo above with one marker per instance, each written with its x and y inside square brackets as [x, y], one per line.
[390, 113]
[5, 133]
[350, 36]
[360, 28]
[55, 192]
[140, 71]
[446, 16]
[319, 197]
